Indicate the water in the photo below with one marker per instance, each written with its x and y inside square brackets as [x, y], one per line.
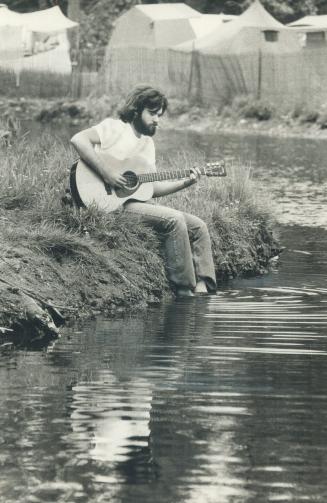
[214, 400]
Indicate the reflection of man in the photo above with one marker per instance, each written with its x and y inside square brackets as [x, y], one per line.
[115, 430]
[189, 259]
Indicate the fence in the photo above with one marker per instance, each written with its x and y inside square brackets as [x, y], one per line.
[284, 79]
[16, 81]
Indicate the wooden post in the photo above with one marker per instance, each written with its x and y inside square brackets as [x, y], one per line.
[259, 74]
[74, 13]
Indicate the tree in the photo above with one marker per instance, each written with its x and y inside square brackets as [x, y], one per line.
[283, 10]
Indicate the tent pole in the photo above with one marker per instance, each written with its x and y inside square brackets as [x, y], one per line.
[259, 74]
[189, 90]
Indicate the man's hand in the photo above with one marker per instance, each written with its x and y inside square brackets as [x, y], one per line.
[195, 174]
[115, 180]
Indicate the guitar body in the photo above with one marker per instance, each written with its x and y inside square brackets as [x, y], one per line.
[88, 188]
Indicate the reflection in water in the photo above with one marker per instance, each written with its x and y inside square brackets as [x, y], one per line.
[219, 399]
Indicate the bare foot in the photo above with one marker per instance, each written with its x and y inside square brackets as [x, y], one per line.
[201, 287]
[184, 292]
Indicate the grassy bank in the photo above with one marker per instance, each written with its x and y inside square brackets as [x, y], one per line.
[58, 261]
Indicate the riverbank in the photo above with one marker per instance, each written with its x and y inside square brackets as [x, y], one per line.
[244, 116]
[59, 264]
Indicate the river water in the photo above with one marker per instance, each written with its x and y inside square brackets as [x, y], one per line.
[211, 400]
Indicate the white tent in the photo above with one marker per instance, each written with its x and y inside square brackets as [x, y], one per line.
[311, 22]
[242, 56]
[139, 46]
[40, 35]
[207, 23]
[47, 21]
[8, 17]
[154, 25]
[11, 36]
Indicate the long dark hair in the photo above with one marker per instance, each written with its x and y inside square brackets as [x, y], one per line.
[143, 96]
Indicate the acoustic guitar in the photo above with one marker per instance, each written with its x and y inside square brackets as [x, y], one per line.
[88, 188]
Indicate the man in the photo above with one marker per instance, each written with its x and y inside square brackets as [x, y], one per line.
[187, 243]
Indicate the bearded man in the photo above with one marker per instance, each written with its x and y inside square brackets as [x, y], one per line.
[189, 262]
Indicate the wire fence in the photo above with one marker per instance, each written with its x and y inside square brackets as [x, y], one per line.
[283, 79]
[81, 81]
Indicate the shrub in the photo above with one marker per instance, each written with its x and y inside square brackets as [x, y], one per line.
[257, 110]
[249, 108]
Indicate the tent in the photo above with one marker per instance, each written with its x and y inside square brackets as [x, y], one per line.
[138, 48]
[241, 57]
[42, 40]
[310, 22]
[11, 35]
[312, 31]
[207, 23]
[154, 25]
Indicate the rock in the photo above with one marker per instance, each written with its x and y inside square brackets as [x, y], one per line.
[38, 317]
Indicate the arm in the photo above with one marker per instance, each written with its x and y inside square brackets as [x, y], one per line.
[84, 143]
[169, 187]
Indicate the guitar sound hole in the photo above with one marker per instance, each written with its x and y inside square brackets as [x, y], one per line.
[131, 179]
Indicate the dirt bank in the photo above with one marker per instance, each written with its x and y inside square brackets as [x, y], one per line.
[43, 286]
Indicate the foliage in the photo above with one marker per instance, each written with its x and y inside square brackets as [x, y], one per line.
[249, 108]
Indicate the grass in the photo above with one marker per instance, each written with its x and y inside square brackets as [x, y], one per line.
[35, 84]
[104, 262]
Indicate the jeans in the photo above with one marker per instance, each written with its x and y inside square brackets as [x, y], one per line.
[187, 243]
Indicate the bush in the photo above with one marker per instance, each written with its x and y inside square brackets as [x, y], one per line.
[257, 110]
[248, 108]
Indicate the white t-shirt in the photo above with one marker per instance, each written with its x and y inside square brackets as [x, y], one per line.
[118, 140]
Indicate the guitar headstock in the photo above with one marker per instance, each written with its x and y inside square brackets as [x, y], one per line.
[216, 168]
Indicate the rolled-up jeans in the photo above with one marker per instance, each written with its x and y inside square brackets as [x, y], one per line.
[186, 240]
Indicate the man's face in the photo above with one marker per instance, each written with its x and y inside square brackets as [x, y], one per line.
[147, 122]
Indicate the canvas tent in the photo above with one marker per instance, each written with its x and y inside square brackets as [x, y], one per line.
[11, 35]
[138, 48]
[239, 58]
[207, 23]
[312, 31]
[154, 25]
[43, 40]
[311, 22]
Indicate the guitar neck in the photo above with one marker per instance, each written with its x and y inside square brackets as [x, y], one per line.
[174, 174]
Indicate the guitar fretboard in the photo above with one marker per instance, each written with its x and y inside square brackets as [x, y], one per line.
[168, 175]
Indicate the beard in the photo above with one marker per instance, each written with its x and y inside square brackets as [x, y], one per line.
[143, 128]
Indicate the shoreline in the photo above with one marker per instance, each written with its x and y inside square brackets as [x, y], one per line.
[250, 127]
[83, 113]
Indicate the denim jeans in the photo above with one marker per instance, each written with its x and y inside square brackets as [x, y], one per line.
[186, 242]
